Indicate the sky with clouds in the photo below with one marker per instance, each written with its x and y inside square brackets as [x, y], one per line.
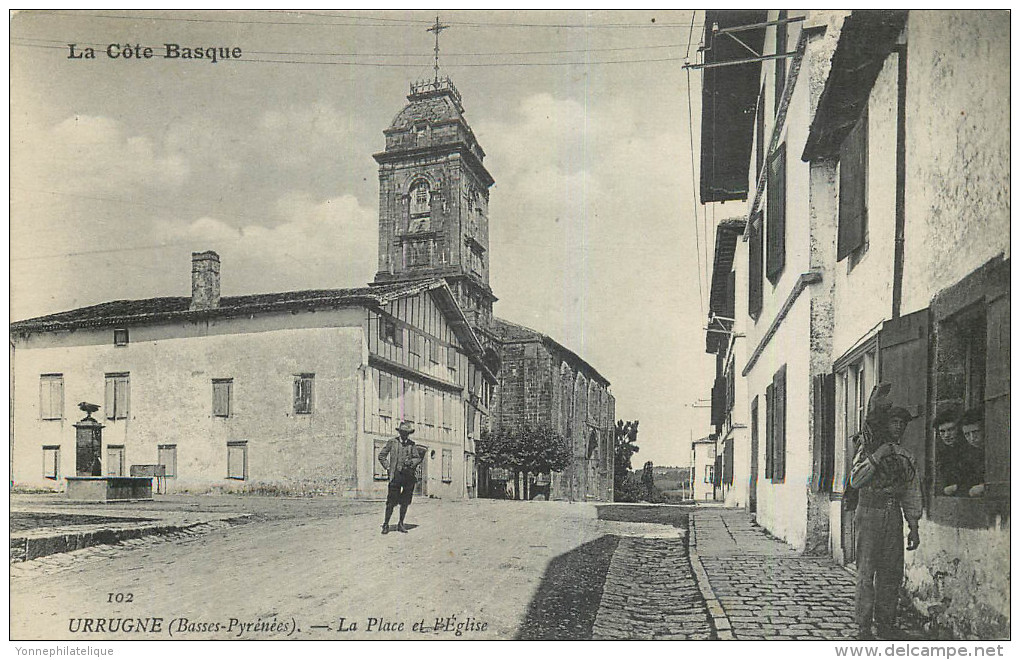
[121, 168]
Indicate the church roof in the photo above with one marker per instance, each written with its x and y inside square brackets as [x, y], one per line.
[508, 333]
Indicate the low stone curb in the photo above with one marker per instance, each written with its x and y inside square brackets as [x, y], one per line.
[34, 546]
[720, 622]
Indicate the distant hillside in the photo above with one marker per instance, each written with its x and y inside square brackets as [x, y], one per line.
[666, 477]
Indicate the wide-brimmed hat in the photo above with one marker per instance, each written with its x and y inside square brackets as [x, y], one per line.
[406, 426]
[898, 412]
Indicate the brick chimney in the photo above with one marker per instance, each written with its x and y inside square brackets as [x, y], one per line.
[205, 280]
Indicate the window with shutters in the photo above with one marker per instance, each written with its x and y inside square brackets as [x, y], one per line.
[303, 393]
[428, 413]
[753, 485]
[115, 460]
[447, 466]
[855, 376]
[770, 399]
[389, 332]
[408, 401]
[775, 215]
[447, 421]
[754, 269]
[970, 381]
[51, 396]
[962, 349]
[386, 390]
[237, 460]
[727, 477]
[852, 236]
[51, 461]
[118, 395]
[775, 427]
[451, 360]
[223, 389]
[780, 63]
[168, 459]
[710, 474]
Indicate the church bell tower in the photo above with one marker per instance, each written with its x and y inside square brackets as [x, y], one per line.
[434, 199]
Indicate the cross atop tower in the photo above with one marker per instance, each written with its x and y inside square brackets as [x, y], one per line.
[437, 28]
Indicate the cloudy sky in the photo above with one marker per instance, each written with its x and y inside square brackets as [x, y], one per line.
[121, 168]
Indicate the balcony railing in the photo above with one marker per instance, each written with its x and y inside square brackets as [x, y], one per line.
[422, 87]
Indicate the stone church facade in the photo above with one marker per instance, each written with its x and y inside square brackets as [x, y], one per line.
[434, 223]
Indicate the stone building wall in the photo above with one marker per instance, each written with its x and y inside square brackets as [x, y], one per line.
[539, 385]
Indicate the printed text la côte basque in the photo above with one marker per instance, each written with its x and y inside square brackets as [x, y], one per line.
[167, 52]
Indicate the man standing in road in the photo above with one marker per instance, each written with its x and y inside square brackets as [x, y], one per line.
[401, 457]
[885, 475]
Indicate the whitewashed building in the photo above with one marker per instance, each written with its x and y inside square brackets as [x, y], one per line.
[285, 392]
[876, 251]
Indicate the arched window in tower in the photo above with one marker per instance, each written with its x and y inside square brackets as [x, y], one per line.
[420, 198]
[420, 207]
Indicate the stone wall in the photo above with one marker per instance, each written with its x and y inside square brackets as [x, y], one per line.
[539, 386]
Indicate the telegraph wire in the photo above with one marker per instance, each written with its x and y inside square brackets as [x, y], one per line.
[406, 23]
[456, 66]
[493, 53]
[690, 35]
[418, 65]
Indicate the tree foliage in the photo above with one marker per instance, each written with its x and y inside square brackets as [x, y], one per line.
[524, 449]
[625, 447]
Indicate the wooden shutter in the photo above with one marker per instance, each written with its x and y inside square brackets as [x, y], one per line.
[903, 363]
[752, 498]
[110, 398]
[853, 188]
[775, 216]
[997, 435]
[123, 397]
[770, 402]
[385, 395]
[718, 401]
[823, 393]
[759, 156]
[728, 462]
[779, 425]
[754, 271]
[221, 398]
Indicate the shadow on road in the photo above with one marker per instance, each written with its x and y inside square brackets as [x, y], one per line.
[566, 602]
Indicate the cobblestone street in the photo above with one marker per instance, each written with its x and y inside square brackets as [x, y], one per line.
[651, 593]
[769, 591]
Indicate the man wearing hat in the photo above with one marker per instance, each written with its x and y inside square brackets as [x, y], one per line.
[885, 475]
[401, 457]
